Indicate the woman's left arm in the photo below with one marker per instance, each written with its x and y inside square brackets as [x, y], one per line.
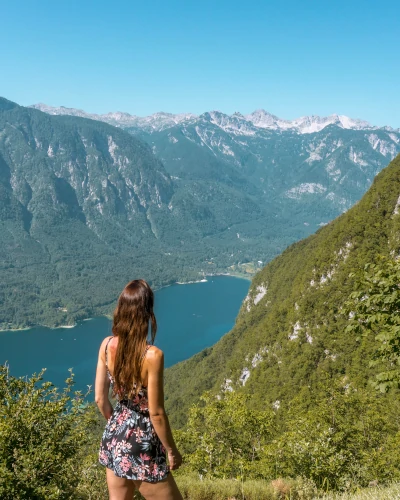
[102, 384]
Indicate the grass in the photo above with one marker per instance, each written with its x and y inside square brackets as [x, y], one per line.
[282, 489]
[379, 493]
[227, 489]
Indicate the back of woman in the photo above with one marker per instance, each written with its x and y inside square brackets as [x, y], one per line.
[137, 437]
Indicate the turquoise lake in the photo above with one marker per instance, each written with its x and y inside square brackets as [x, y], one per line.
[190, 318]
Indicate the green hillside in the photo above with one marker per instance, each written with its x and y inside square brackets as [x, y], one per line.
[85, 207]
[290, 332]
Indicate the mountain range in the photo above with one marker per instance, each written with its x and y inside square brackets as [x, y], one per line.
[326, 162]
[258, 119]
[85, 204]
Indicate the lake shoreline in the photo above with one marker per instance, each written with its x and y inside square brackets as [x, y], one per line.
[204, 280]
[190, 319]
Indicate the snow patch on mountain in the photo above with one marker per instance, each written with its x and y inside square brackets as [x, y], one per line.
[394, 138]
[226, 150]
[157, 121]
[305, 124]
[386, 148]
[338, 200]
[111, 148]
[235, 124]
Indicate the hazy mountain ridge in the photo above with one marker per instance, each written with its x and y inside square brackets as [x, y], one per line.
[333, 167]
[258, 119]
[329, 160]
[157, 121]
[290, 331]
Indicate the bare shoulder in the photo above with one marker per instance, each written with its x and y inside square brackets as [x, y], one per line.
[154, 355]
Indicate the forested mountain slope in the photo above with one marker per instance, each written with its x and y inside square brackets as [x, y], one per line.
[303, 172]
[312, 168]
[290, 331]
[86, 206]
[80, 200]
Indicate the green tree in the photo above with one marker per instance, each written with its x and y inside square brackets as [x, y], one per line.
[374, 309]
[224, 438]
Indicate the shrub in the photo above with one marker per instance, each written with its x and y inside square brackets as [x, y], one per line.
[44, 433]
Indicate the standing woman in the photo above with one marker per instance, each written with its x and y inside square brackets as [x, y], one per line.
[137, 436]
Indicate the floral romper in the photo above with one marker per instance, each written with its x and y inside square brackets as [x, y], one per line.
[130, 446]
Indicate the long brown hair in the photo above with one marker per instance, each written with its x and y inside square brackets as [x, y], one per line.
[132, 317]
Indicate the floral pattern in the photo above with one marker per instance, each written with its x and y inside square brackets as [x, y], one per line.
[130, 446]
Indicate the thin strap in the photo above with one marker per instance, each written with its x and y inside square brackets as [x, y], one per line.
[109, 340]
[147, 348]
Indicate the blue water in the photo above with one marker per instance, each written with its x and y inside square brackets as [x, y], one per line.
[190, 318]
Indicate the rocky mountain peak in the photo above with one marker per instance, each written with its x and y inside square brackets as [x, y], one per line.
[258, 119]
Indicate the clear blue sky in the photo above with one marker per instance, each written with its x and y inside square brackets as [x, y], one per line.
[290, 57]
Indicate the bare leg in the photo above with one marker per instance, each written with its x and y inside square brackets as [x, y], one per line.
[162, 490]
[119, 488]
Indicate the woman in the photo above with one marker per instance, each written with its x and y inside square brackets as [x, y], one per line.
[137, 435]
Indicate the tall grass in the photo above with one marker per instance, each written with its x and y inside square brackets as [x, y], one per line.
[227, 489]
[379, 493]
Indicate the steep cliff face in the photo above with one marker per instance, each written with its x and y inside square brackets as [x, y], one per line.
[80, 169]
[290, 330]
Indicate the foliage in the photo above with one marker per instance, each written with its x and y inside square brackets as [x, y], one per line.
[374, 308]
[374, 492]
[336, 438]
[44, 433]
[340, 440]
[224, 438]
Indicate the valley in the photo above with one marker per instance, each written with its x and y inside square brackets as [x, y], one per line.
[87, 204]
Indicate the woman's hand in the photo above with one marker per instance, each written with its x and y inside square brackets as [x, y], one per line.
[174, 459]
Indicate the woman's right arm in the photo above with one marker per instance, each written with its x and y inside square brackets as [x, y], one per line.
[102, 384]
[159, 419]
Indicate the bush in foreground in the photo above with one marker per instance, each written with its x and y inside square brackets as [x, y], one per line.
[44, 437]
